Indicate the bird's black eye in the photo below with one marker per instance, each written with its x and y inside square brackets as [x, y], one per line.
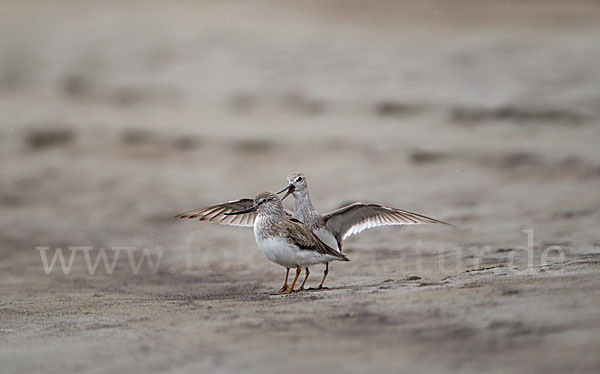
[298, 179]
[261, 201]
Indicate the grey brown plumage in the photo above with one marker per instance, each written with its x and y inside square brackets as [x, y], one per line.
[287, 241]
[217, 213]
[352, 219]
[284, 240]
[303, 237]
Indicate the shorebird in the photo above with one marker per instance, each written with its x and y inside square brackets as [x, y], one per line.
[239, 213]
[332, 228]
[285, 240]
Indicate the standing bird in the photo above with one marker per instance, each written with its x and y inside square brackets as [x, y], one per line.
[221, 213]
[332, 228]
[284, 240]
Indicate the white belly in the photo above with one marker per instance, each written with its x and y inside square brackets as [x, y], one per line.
[327, 237]
[282, 253]
[278, 252]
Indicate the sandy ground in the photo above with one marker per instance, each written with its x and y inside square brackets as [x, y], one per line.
[115, 116]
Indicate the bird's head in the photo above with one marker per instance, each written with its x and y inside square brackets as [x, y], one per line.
[266, 202]
[296, 185]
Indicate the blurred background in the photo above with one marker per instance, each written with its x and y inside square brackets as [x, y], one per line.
[117, 115]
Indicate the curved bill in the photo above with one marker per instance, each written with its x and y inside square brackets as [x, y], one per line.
[251, 209]
[290, 188]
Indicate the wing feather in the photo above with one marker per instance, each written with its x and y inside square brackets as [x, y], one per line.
[303, 237]
[216, 213]
[357, 217]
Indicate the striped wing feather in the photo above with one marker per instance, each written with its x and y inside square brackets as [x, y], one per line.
[216, 213]
[357, 217]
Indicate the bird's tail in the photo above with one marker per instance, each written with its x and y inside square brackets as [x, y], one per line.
[343, 257]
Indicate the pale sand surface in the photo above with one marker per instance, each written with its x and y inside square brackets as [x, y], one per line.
[115, 116]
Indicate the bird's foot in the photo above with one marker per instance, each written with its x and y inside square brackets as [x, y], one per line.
[284, 289]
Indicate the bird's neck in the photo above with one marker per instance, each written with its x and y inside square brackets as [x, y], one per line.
[272, 212]
[267, 219]
[303, 208]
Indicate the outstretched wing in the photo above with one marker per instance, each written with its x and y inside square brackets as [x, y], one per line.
[216, 213]
[356, 217]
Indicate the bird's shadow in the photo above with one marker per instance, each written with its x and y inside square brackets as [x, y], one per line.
[347, 287]
[296, 292]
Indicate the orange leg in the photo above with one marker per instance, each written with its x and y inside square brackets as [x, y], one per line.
[304, 281]
[324, 275]
[285, 286]
[298, 271]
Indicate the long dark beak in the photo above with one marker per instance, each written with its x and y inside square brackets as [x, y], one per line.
[251, 209]
[290, 188]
